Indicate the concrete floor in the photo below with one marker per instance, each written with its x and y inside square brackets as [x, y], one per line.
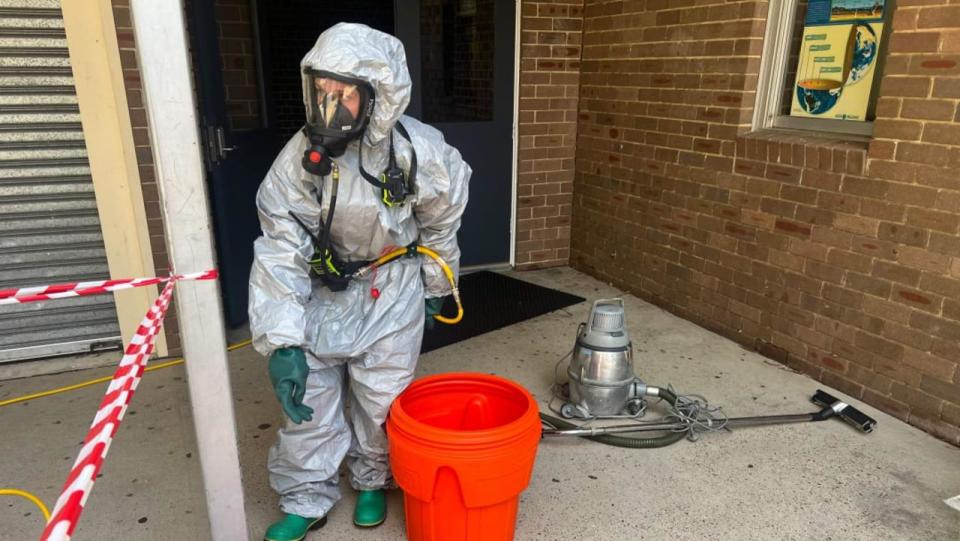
[822, 481]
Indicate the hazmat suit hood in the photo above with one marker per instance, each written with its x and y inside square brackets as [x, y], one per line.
[360, 52]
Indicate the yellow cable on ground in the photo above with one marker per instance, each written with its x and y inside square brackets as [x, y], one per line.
[105, 379]
[400, 252]
[36, 501]
[382, 260]
[24, 494]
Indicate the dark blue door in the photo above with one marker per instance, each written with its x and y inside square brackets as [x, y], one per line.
[238, 150]
[461, 58]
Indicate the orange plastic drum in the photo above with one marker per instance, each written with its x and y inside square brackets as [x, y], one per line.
[462, 448]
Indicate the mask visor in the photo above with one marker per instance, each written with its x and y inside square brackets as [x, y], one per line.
[337, 105]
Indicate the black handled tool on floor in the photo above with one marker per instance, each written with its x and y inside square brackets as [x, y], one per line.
[831, 407]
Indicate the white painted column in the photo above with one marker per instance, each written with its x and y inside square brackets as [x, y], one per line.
[168, 92]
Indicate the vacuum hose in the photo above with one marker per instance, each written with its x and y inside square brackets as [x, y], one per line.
[626, 441]
[401, 252]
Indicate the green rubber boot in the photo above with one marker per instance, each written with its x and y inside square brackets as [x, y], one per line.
[371, 508]
[292, 528]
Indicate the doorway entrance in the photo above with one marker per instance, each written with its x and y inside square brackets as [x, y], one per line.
[247, 56]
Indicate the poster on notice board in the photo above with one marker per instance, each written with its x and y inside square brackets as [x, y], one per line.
[838, 57]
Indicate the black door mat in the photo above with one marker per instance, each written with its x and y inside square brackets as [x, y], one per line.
[492, 301]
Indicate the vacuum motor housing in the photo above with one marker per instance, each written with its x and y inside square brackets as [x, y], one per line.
[602, 380]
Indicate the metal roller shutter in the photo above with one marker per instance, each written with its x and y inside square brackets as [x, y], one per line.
[49, 227]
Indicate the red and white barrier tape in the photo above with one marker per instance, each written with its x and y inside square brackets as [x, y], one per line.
[79, 483]
[78, 289]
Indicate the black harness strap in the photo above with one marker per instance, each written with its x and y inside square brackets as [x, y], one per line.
[413, 161]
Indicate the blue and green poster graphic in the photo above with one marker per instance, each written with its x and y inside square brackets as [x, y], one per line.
[838, 54]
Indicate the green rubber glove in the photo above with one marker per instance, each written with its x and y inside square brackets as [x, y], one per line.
[432, 307]
[288, 374]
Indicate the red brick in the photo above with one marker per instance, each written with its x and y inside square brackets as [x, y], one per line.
[896, 273]
[911, 194]
[948, 330]
[883, 211]
[832, 237]
[793, 228]
[946, 134]
[934, 64]
[945, 390]
[941, 285]
[946, 88]
[886, 310]
[923, 154]
[951, 413]
[917, 87]
[869, 285]
[886, 128]
[920, 403]
[865, 187]
[903, 234]
[914, 42]
[917, 299]
[939, 17]
[905, 19]
[932, 219]
[929, 364]
[874, 247]
[857, 224]
[921, 259]
[927, 109]
[822, 271]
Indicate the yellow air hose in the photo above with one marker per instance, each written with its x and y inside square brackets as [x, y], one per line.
[24, 494]
[400, 252]
[36, 501]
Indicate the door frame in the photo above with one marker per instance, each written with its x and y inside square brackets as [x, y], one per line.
[514, 180]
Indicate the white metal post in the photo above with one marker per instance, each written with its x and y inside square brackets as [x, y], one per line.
[168, 92]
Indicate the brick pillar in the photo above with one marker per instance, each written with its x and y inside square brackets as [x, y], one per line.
[141, 140]
[549, 93]
[239, 62]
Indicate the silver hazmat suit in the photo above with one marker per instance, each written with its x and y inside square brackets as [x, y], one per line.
[360, 349]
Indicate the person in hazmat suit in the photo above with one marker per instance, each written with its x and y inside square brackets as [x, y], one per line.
[358, 180]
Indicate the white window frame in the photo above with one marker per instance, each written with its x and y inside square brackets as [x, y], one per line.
[773, 71]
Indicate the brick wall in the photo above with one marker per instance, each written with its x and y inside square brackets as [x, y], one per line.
[239, 62]
[141, 140]
[457, 60]
[841, 259]
[549, 83]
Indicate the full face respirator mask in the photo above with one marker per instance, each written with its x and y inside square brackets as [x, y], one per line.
[338, 110]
